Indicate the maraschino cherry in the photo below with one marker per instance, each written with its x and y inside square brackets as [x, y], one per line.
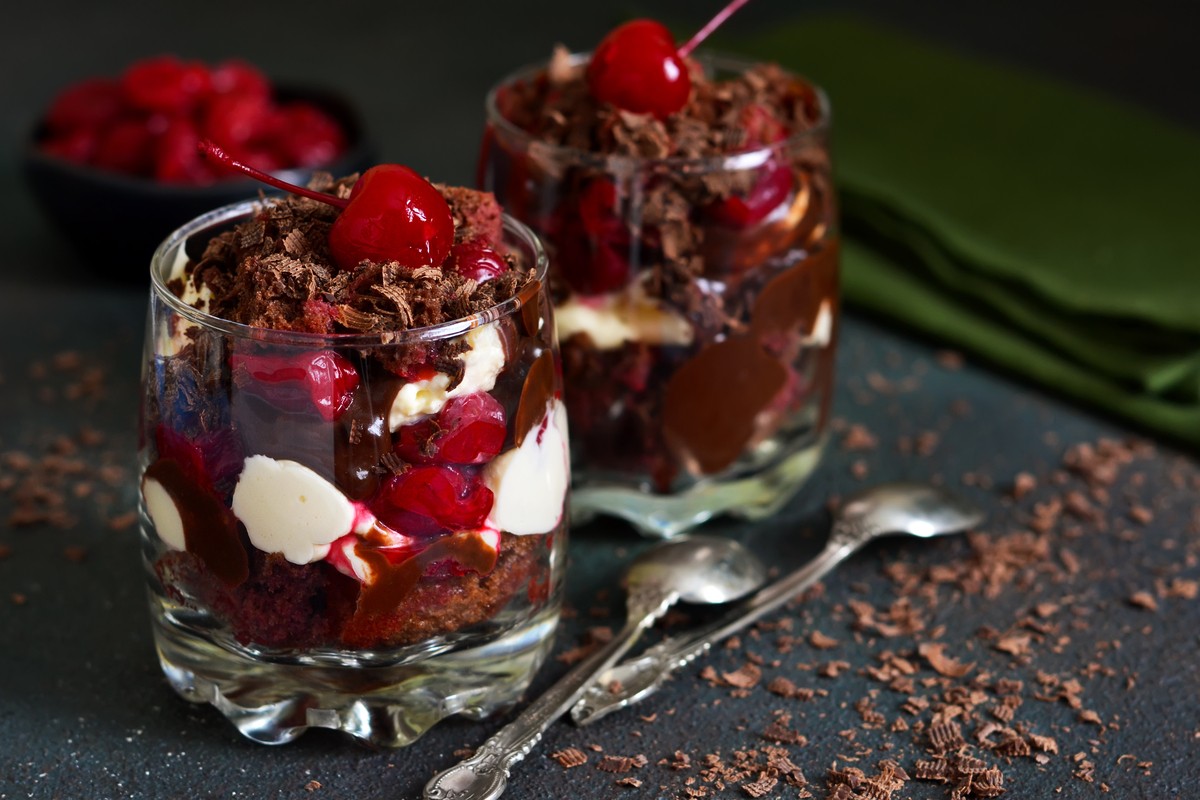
[638, 68]
[392, 214]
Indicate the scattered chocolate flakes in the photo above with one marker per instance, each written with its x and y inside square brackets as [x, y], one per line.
[570, 757]
[18, 599]
[784, 687]
[312, 786]
[618, 764]
[745, 677]
[933, 653]
[820, 641]
[1144, 600]
[859, 438]
[75, 553]
[779, 732]
[1023, 484]
[831, 669]
[945, 736]
[629, 781]
[762, 787]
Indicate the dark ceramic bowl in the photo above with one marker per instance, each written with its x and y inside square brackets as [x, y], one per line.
[116, 221]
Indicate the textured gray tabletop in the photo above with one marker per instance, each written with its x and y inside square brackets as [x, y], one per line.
[1061, 642]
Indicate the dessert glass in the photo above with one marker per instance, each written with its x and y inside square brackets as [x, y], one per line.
[289, 586]
[697, 305]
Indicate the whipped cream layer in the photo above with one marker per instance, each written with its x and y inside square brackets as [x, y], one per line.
[482, 363]
[611, 320]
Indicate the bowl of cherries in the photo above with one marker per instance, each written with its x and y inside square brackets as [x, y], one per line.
[115, 164]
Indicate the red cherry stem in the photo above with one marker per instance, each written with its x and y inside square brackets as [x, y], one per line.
[714, 23]
[214, 151]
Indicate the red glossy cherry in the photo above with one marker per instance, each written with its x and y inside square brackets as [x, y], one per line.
[636, 68]
[392, 214]
[770, 191]
[451, 498]
[235, 119]
[468, 430]
[126, 146]
[320, 380]
[166, 84]
[309, 137]
[238, 77]
[476, 260]
[176, 159]
[90, 104]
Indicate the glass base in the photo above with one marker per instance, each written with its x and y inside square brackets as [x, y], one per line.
[386, 706]
[666, 515]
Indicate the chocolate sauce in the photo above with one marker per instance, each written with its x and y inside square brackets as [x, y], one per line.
[792, 299]
[394, 582]
[537, 393]
[210, 530]
[711, 402]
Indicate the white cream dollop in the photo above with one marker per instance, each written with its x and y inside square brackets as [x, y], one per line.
[287, 508]
[611, 320]
[481, 364]
[530, 482]
[164, 514]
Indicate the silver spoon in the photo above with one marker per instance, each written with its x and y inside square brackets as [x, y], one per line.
[893, 508]
[696, 569]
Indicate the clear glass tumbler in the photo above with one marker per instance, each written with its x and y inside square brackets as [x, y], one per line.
[697, 306]
[318, 553]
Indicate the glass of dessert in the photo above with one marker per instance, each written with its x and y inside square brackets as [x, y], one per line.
[354, 460]
[690, 216]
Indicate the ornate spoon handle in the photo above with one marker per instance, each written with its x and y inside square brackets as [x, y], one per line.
[484, 775]
[641, 677]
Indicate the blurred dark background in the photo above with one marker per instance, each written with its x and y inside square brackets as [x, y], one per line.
[419, 71]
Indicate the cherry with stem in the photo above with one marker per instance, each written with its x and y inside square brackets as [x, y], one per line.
[392, 214]
[638, 67]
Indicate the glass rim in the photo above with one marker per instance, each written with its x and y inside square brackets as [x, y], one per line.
[508, 307]
[737, 159]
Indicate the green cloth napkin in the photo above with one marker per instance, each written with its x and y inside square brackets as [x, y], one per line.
[1048, 228]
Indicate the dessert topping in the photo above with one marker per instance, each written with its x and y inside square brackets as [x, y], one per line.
[477, 260]
[637, 67]
[392, 214]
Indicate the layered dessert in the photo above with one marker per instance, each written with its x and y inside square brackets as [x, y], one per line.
[352, 445]
[694, 255]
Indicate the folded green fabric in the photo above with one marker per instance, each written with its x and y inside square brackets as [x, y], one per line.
[1046, 227]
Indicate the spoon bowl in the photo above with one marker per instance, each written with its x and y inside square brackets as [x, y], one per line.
[915, 509]
[698, 569]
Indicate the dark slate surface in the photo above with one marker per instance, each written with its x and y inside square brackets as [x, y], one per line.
[83, 710]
